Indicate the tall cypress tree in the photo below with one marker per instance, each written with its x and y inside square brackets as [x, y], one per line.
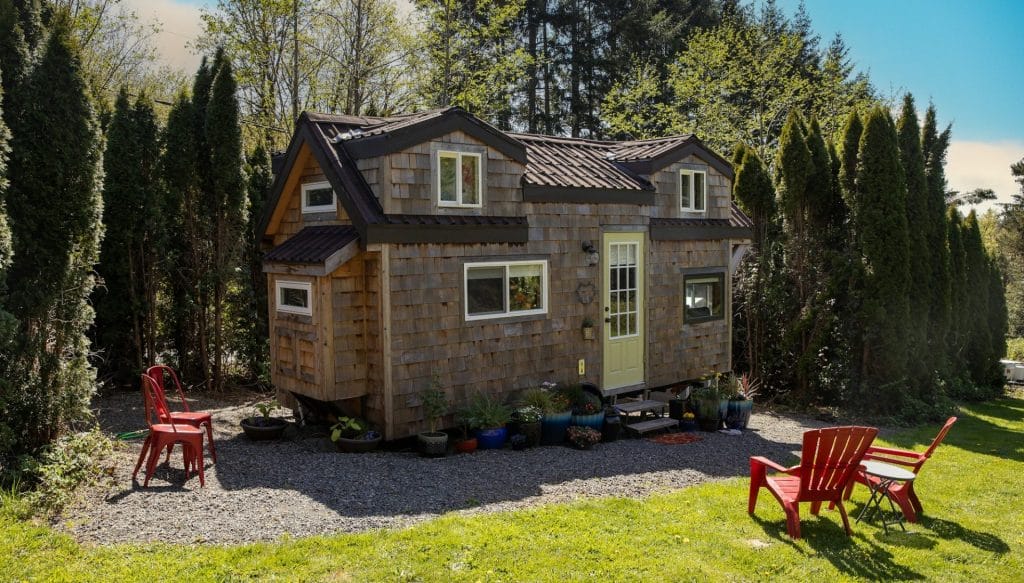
[54, 205]
[849, 150]
[960, 318]
[253, 322]
[225, 201]
[979, 353]
[8, 323]
[998, 317]
[934, 145]
[919, 224]
[882, 237]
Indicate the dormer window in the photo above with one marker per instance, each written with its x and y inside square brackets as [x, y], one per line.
[459, 180]
[318, 197]
[693, 195]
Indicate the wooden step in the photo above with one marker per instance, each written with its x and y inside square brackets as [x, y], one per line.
[652, 425]
[640, 406]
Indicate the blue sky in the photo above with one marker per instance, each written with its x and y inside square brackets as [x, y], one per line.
[965, 56]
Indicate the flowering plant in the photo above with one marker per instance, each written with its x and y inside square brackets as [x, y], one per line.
[587, 408]
[527, 414]
[559, 403]
[688, 416]
[583, 437]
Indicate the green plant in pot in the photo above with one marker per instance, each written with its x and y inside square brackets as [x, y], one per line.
[741, 404]
[435, 406]
[488, 415]
[709, 414]
[588, 328]
[527, 419]
[557, 415]
[353, 435]
[263, 427]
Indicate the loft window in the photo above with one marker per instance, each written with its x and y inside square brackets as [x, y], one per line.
[705, 297]
[693, 195]
[318, 197]
[515, 288]
[459, 180]
[293, 297]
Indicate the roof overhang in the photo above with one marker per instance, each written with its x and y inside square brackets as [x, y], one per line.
[319, 269]
[692, 147]
[565, 194]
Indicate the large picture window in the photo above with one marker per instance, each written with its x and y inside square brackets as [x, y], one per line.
[495, 290]
[705, 297]
[318, 197]
[294, 297]
[693, 191]
[459, 179]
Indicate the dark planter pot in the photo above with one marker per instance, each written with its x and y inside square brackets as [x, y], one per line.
[346, 445]
[433, 443]
[553, 428]
[492, 438]
[466, 445]
[612, 428]
[531, 431]
[688, 425]
[676, 408]
[594, 421]
[518, 442]
[709, 413]
[737, 415]
[260, 429]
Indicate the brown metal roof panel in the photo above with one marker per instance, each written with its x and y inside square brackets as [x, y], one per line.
[313, 244]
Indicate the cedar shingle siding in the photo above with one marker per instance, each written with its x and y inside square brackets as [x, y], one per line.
[392, 315]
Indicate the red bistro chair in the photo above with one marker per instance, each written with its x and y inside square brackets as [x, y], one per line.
[828, 462]
[902, 493]
[164, 435]
[194, 418]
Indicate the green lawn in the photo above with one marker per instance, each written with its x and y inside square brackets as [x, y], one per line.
[972, 530]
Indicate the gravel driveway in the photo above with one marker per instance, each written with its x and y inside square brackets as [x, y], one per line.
[262, 490]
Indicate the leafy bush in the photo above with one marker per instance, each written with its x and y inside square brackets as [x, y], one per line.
[61, 467]
[1015, 349]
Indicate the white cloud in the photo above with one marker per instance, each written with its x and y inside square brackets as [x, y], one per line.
[971, 165]
[180, 25]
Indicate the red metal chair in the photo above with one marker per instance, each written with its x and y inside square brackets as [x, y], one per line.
[165, 435]
[194, 418]
[902, 493]
[828, 462]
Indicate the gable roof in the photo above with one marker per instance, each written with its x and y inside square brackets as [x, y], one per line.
[313, 244]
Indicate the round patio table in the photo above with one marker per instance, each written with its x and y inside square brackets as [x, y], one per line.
[888, 476]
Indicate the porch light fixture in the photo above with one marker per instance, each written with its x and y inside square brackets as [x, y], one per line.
[593, 258]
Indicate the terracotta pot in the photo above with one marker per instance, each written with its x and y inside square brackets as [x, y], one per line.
[466, 445]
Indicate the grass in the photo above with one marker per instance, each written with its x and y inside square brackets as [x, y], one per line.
[972, 530]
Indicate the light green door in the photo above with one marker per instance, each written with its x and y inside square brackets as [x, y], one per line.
[622, 263]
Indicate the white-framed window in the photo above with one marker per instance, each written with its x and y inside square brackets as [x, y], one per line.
[459, 180]
[318, 197]
[295, 297]
[705, 297]
[693, 191]
[498, 289]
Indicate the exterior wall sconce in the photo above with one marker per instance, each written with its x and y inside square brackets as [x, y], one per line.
[593, 257]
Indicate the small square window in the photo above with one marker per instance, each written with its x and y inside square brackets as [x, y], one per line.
[704, 297]
[693, 190]
[294, 297]
[318, 197]
[459, 180]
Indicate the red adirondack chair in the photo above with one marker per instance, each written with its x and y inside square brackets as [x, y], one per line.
[165, 435]
[828, 462]
[197, 419]
[902, 493]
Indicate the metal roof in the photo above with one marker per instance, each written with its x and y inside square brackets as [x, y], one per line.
[576, 163]
[313, 244]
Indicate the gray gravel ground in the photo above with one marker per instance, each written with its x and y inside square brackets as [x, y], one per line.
[260, 491]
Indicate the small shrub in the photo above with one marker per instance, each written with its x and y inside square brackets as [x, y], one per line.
[70, 461]
[1015, 349]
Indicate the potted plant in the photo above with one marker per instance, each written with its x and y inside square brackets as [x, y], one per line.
[688, 422]
[709, 414]
[467, 444]
[583, 437]
[557, 416]
[488, 416]
[527, 419]
[353, 435]
[586, 407]
[435, 405]
[612, 424]
[588, 328]
[264, 427]
[741, 405]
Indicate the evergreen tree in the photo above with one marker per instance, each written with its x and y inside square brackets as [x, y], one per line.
[998, 318]
[848, 152]
[225, 202]
[54, 206]
[8, 324]
[960, 318]
[979, 353]
[919, 225]
[934, 146]
[884, 247]
[253, 332]
[125, 305]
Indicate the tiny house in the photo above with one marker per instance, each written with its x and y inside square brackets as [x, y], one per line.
[427, 244]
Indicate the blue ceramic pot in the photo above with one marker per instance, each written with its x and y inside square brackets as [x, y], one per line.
[553, 427]
[594, 421]
[493, 438]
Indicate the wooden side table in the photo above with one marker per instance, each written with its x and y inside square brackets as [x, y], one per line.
[888, 475]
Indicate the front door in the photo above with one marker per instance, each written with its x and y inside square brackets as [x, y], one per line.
[623, 298]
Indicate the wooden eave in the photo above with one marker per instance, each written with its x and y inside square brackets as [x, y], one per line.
[320, 269]
[569, 194]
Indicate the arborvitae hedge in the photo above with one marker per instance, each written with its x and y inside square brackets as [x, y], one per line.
[934, 146]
